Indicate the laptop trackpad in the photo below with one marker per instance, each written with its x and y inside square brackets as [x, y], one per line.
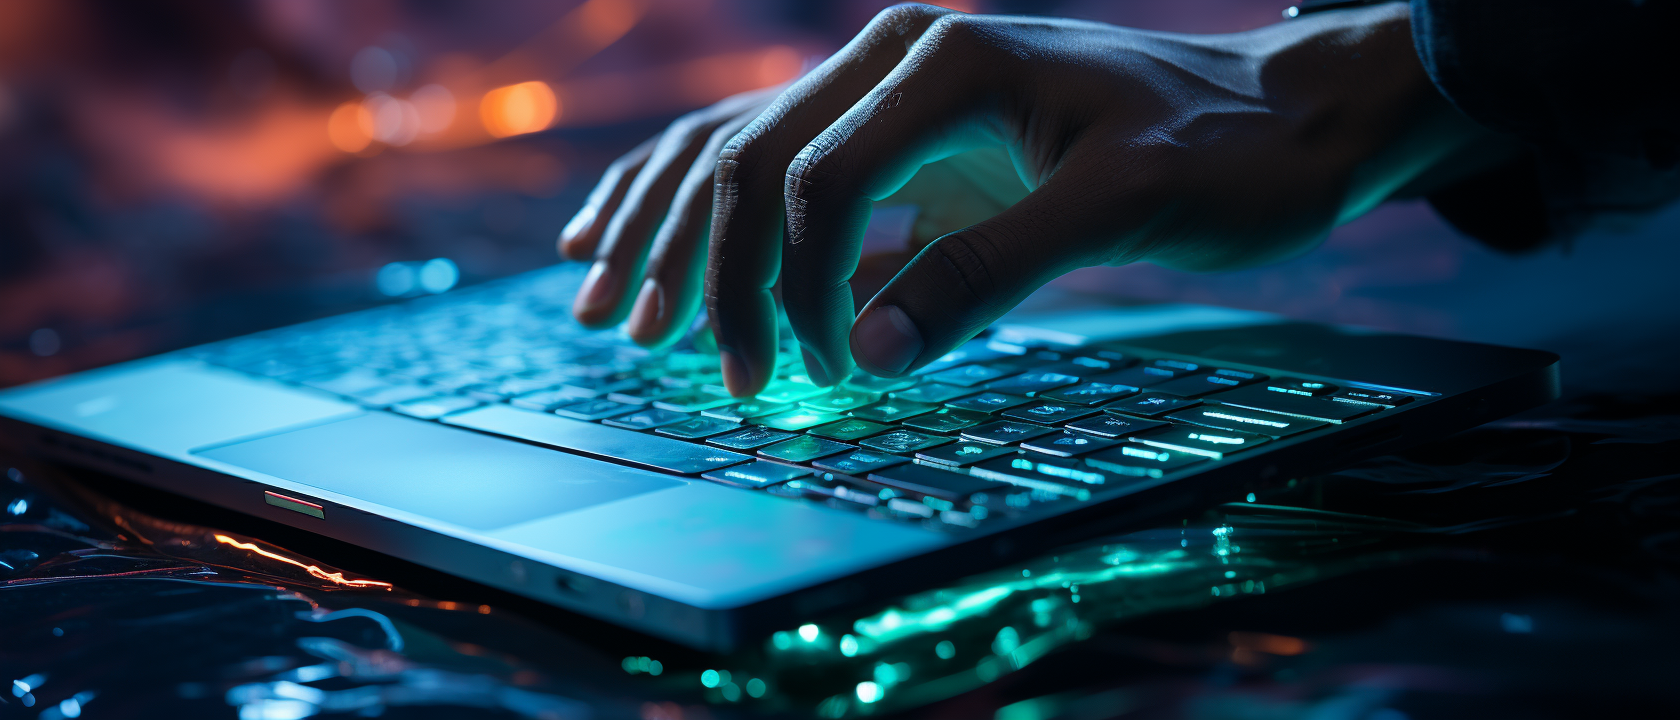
[444, 473]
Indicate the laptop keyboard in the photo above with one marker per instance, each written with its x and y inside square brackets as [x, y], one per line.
[988, 431]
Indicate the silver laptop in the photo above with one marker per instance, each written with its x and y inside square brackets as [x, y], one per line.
[484, 434]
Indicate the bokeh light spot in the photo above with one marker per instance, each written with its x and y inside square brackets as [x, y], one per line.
[44, 342]
[519, 109]
[438, 275]
[348, 127]
[868, 692]
[395, 279]
[436, 106]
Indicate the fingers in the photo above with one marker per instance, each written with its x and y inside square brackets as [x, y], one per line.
[748, 215]
[583, 232]
[964, 281]
[625, 242]
[670, 296]
[624, 245]
[930, 107]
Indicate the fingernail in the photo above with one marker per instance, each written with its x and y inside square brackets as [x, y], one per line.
[886, 339]
[650, 307]
[597, 288]
[578, 222]
[814, 368]
[735, 375]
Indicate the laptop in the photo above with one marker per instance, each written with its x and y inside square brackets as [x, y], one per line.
[484, 434]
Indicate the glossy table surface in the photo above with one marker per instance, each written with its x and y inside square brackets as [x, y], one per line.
[1523, 569]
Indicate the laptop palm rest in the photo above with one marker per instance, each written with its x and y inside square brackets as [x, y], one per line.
[462, 478]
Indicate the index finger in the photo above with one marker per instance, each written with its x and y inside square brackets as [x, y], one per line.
[748, 215]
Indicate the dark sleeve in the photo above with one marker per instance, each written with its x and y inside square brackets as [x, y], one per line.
[1592, 89]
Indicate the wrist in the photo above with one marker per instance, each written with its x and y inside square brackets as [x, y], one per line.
[1364, 105]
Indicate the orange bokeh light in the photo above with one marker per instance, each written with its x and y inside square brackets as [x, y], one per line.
[350, 127]
[519, 109]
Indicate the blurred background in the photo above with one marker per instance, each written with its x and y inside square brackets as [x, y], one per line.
[174, 172]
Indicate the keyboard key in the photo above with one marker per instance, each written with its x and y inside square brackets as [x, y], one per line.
[946, 420]
[1178, 366]
[692, 401]
[1231, 417]
[594, 409]
[973, 351]
[1051, 474]
[852, 496]
[596, 387]
[1312, 408]
[1006, 432]
[850, 429]
[943, 484]
[865, 382]
[841, 400]
[1138, 460]
[1031, 360]
[697, 428]
[750, 438]
[967, 375]
[393, 394]
[1084, 366]
[1068, 444]
[903, 441]
[756, 474]
[888, 411]
[1141, 376]
[1199, 385]
[498, 391]
[988, 402]
[790, 390]
[626, 446]
[1032, 383]
[1207, 442]
[1050, 412]
[803, 448]
[740, 412]
[931, 393]
[909, 507]
[1091, 393]
[544, 399]
[1373, 397]
[1297, 386]
[963, 454]
[797, 419]
[350, 383]
[858, 462]
[647, 419]
[1151, 404]
[1114, 426]
[435, 407]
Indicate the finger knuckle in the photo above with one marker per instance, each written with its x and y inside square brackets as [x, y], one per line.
[959, 32]
[902, 18]
[970, 256]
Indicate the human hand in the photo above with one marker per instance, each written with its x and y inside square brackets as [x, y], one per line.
[1197, 152]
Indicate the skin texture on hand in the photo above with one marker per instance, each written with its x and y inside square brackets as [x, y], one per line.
[1035, 145]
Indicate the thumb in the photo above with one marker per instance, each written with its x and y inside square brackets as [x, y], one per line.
[963, 281]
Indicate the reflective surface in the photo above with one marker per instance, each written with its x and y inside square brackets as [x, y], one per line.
[1525, 569]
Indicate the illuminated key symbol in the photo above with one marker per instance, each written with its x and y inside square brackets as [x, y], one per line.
[1072, 441]
[1046, 410]
[970, 450]
[1015, 430]
[1154, 401]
